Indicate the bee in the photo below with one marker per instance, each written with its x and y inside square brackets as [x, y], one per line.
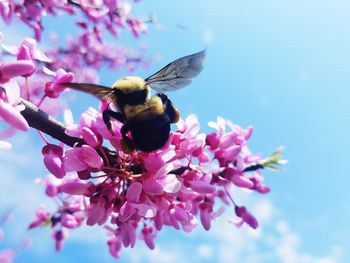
[146, 117]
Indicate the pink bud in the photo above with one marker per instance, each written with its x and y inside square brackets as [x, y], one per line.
[58, 235]
[54, 164]
[204, 212]
[16, 68]
[148, 235]
[51, 190]
[242, 212]
[53, 160]
[241, 181]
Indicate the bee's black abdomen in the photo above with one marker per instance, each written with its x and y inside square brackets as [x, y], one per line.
[152, 134]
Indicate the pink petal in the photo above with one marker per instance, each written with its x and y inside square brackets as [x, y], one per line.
[152, 187]
[153, 163]
[181, 215]
[231, 153]
[16, 68]
[171, 184]
[134, 192]
[90, 137]
[13, 50]
[39, 55]
[126, 211]
[69, 221]
[12, 116]
[203, 187]
[72, 163]
[12, 91]
[23, 53]
[88, 155]
[51, 190]
[164, 170]
[146, 211]
[205, 219]
[94, 213]
[54, 164]
[74, 188]
[242, 181]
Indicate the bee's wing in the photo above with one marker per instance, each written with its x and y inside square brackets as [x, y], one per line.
[178, 73]
[101, 92]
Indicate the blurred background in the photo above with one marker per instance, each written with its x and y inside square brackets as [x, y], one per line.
[281, 66]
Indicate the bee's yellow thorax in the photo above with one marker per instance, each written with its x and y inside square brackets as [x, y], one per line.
[151, 108]
[130, 84]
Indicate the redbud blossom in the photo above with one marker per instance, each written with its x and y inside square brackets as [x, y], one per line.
[246, 216]
[53, 156]
[13, 69]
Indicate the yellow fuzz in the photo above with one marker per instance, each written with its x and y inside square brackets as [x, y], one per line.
[130, 84]
[153, 107]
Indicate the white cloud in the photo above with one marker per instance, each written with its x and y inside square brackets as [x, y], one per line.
[208, 35]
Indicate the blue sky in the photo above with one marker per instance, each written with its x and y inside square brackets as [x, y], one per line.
[281, 66]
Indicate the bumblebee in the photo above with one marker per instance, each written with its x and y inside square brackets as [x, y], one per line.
[146, 117]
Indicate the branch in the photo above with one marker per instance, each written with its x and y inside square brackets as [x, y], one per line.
[40, 120]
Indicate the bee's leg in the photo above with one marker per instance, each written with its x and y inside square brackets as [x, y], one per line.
[170, 110]
[126, 143]
[108, 114]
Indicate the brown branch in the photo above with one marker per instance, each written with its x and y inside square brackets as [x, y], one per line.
[40, 120]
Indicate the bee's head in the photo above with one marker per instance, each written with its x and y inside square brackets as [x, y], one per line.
[131, 91]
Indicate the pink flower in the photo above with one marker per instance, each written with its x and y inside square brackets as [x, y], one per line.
[53, 156]
[27, 50]
[42, 217]
[59, 236]
[114, 246]
[53, 89]
[81, 158]
[148, 235]
[128, 234]
[246, 216]
[174, 186]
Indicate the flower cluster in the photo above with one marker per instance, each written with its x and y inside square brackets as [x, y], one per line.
[88, 48]
[111, 14]
[137, 194]
[187, 182]
[23, 77]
